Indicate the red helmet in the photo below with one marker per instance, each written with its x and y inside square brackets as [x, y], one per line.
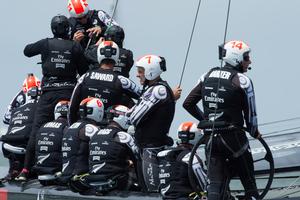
[29, 82]
[78, 8]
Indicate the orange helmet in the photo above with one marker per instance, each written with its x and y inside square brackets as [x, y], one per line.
[29, 82]
[189, 133]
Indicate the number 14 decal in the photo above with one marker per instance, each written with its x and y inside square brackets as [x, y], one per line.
[237, 45]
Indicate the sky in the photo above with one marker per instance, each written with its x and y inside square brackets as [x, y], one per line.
[271, 28]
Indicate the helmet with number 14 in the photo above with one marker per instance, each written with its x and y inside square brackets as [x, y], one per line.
[235, 53]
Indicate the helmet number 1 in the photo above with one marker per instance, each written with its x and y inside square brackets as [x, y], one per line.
[237, 45]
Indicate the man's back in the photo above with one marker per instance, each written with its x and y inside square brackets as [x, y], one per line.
[103, 84]
[227, 104]
[111, 151]
[20, 124]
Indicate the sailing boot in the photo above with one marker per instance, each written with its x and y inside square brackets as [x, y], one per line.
[23, 176]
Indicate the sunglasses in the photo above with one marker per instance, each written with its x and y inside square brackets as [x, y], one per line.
[246, 57]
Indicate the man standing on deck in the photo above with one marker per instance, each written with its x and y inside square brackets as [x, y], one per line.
[228, 100]
[152, 117]
[62, 60]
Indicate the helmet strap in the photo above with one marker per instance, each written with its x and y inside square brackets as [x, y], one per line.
[239, 67]
[146, 84]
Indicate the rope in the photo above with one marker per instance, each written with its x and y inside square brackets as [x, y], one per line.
[190, 42]
[114, 11]
[218, 87]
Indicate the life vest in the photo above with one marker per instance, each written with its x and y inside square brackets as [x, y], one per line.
[108, 156]
[225, 105]
[48, 147]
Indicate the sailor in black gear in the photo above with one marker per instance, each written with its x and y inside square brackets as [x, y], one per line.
[62, 60]
[112, 152]
[16, 138]
[152, 117]
[16, 102]
[87, 26]
[48, 161]
[228, 107]
[125, 62]
[103, 82]
[173, 166]
[75, 142]
[21, 98]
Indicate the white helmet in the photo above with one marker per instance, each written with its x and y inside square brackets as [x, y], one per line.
[108, 50]
[61, 109]
[189, 133]
[117, 114]
[91, 108]
[153, 66]
[235, 52]
[78, 8]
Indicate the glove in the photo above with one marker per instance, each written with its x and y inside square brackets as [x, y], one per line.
[3, 139]
[257, 134]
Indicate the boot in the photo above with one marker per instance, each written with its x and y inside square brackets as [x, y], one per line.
[23, 176]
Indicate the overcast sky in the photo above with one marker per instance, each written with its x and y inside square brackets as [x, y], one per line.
[270, 27]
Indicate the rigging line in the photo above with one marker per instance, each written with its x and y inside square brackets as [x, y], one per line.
[114, 11]
[190, 42]
[226, 26]
[288, 129]
[218, 89]
[279, 121]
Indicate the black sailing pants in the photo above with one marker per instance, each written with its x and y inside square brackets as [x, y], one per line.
[223, 166]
